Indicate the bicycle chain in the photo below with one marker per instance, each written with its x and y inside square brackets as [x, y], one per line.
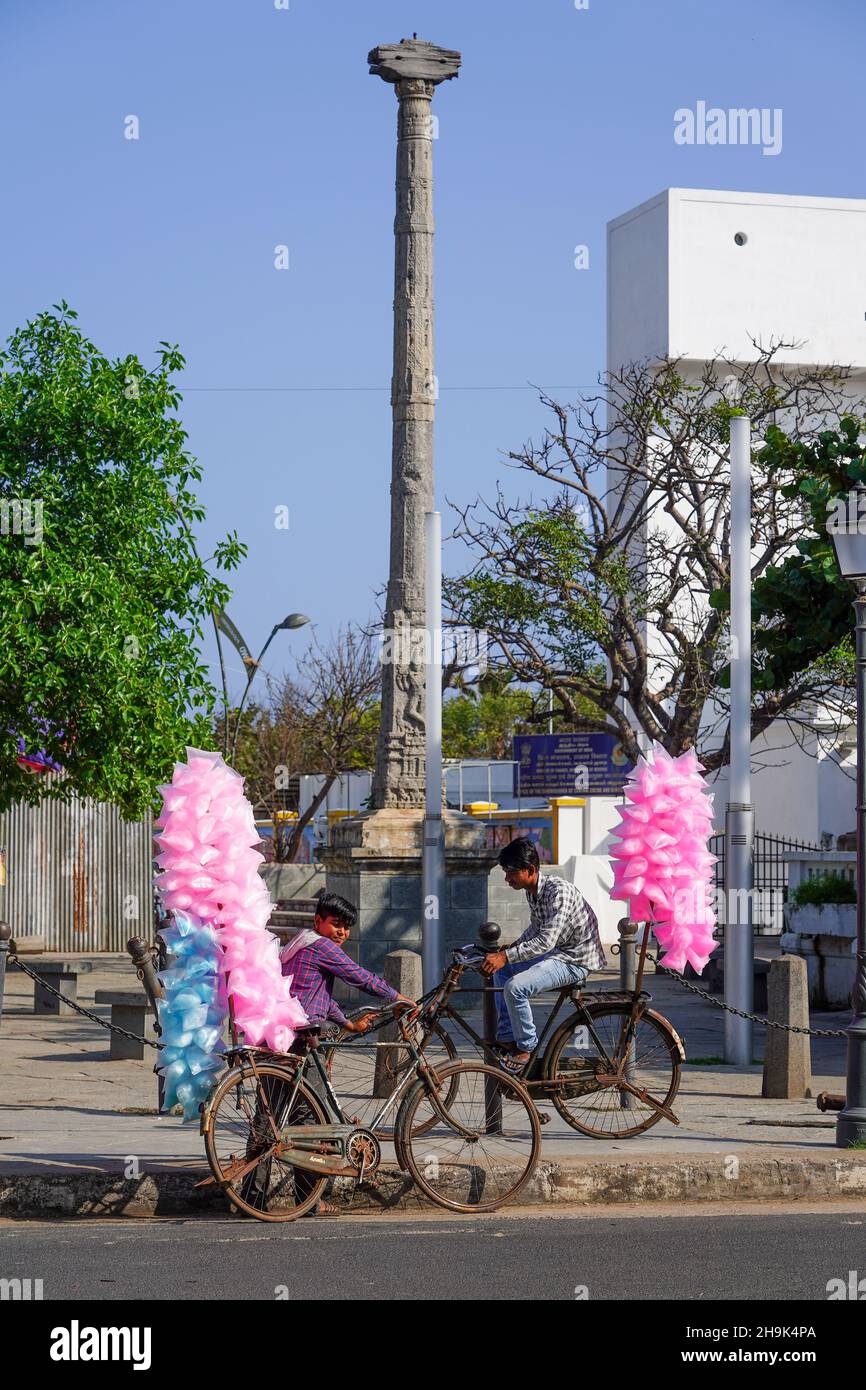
[754, 1018]
[112, 1027]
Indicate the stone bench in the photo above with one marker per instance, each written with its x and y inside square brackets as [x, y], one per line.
[130, 1010]
[290, 916]
[62, 975]
[714, 979]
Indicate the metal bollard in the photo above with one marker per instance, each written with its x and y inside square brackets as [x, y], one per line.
[142, 956]
[488, 940]
[5, 938]
[627, 981]
[627, 953]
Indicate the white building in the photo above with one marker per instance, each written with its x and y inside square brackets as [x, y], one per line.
[695, 273]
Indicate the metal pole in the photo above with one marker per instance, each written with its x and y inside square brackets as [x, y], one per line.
[851, 1124]
[5, 936]
[225, 685]
[433, 858]
[627, 980]
[627, 948]
[739, 819]
[251, 675]
[142, 956]
[489, 936]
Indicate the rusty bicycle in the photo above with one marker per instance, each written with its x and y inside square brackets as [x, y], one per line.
[276, 1131]
[611, 1066]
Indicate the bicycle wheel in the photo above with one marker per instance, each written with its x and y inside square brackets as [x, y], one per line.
[481, 1151]
[352, 1068]
[599, 1109]
[243, 1120]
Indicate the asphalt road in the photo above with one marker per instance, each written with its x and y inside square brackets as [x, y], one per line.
[755, 1252]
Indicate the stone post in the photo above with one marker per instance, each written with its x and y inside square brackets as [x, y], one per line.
[402, 971]
[788, 1057]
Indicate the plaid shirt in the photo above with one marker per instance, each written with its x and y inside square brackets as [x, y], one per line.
[313, 970]
[561, 921]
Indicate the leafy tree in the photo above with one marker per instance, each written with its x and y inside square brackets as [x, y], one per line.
[601, 588]
[483, 725]
[802, 606]
[103, 593]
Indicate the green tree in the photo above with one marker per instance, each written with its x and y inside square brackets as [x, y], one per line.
[483, 726]
[609, 586]
[801, 607]
[103, 594]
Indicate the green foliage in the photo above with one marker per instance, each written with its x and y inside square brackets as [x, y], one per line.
[801, 608]
[99, 619]
[824, 888]
[483, 727]
[560, 594]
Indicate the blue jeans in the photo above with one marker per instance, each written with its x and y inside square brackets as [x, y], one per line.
[519, 981]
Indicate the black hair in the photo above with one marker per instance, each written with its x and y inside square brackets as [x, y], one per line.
[519, 854]
[332, 905]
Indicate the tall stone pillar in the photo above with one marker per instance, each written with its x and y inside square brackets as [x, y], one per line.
[374, 859]
[415, 68]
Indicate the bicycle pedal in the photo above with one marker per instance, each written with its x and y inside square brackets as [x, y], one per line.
[544, 1119]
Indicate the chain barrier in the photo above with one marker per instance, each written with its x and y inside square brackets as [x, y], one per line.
[740, 1013]
[103, 1023]
[660, 969]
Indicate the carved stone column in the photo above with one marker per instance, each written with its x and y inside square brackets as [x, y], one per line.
[414, 68]
[374, 859]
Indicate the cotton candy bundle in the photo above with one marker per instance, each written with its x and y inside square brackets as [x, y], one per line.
[209, 869]
[662, 865]
[193, 1013]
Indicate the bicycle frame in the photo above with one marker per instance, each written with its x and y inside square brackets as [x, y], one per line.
[322, 1148]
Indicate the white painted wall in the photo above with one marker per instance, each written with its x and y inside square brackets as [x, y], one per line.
[679, 285]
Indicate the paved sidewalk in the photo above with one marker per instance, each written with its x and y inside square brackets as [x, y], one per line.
[80, 1134]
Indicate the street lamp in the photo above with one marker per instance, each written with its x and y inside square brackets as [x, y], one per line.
[292, 621]
[849, 542]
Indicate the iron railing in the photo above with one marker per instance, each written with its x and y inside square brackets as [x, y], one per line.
[770, 878]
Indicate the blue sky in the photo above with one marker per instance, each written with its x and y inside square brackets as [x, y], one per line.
[261, 126]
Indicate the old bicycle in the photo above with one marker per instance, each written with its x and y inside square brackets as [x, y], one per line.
[466, 1132]
[611, 1067]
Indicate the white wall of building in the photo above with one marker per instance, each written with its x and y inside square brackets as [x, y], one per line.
[680, 285]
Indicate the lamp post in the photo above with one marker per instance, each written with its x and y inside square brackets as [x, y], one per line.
[292, 621]
[740, 816]
[433, 854]
[848, 535]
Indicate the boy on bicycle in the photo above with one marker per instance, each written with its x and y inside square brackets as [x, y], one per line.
[315, 959]
[559, 947]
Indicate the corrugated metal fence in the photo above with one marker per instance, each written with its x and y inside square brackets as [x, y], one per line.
[78, 875]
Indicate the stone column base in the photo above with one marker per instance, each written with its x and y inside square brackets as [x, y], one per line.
[374, 860]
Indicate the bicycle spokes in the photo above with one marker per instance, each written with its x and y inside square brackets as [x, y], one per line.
[627, 1085]
[479, 1152]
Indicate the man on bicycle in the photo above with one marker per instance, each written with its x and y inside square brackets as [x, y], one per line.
[559, 947]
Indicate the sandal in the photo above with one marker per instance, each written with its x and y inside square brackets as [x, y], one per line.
[515, 1063]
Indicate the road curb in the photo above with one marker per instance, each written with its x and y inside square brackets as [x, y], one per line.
[828, 1175]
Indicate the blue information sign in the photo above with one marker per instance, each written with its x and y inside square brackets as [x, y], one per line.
[569, 765]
